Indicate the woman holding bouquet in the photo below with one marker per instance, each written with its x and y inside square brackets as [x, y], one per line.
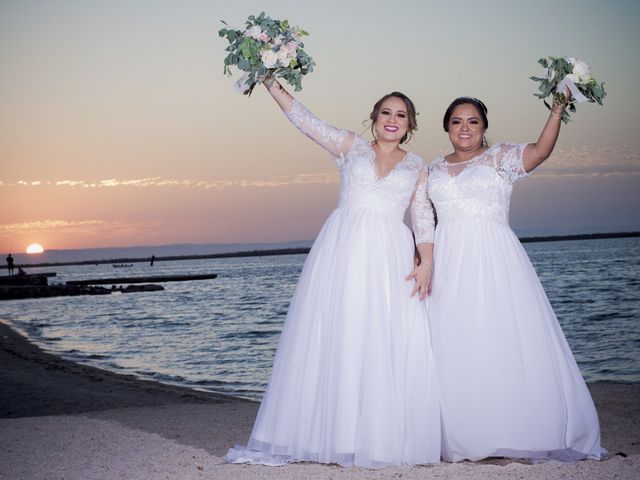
[508, 381]
[353, 380]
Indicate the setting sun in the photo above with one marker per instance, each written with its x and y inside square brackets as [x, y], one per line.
[35, 248]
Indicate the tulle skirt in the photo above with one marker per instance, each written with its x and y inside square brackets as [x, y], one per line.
[353, 380]
[508, 381]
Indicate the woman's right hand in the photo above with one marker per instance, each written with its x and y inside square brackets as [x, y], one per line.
[279, 94]
[422, 276]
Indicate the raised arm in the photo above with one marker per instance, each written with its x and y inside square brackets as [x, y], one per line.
[279, 94]
[423, 222]
[336, 141]
[536, 153]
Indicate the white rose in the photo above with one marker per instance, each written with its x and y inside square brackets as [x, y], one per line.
[571, 60]
[269, 58]
[283, 58]
[253, 32]
[582, 70]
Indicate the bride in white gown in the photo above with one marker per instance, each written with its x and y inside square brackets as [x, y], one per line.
[353, 380]
[508, 381]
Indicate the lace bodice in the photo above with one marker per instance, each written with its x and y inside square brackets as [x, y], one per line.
[480, 187]
[360, 186]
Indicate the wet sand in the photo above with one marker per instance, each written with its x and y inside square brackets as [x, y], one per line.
[59, 419]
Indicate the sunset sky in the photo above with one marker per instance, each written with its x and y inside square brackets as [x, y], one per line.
[118, 127]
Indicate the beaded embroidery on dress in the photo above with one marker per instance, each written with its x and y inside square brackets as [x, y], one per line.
[509, 383]
[353, 380]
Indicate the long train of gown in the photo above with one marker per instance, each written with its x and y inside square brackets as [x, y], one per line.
[353, 380]
[509, 384]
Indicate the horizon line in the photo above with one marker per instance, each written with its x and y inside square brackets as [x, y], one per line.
[299, 250]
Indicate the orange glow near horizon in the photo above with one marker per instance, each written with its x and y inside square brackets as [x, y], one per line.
[35, 248]
[136, 137]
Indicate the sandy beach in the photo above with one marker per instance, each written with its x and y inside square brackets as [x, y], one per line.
[61, 420]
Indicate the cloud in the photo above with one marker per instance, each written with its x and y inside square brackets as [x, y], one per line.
[276, 181]
[93, 227]
[40, 225]
[574, 161]
[583, 161]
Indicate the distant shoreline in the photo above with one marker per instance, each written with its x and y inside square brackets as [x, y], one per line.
[300, 251]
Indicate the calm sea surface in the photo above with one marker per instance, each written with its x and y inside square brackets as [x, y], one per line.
[221, 335]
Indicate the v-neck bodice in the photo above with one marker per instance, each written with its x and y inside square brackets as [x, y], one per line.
[360, 187]
[360, 184]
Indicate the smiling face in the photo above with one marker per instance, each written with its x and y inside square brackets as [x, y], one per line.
[392, 123]
[466, 128]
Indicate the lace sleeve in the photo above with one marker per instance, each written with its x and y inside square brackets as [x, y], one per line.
[509, 158]
[328, 137]
[422, 218]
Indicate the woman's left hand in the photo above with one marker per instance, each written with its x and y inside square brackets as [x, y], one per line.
[422, 276]
[560, 101]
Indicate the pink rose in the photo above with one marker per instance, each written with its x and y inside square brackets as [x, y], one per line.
[291, 48]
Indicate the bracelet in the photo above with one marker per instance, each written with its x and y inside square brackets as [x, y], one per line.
[556, 115]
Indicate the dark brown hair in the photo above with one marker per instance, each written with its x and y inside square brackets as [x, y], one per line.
[480, 107]
[411, 113]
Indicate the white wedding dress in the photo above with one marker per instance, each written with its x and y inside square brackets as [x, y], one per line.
[509, 384]
[353, 381]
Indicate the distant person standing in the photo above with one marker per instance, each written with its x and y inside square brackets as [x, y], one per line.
[10, 264]
[153, 258]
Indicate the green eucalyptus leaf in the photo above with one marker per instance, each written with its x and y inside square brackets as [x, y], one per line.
[245, 52]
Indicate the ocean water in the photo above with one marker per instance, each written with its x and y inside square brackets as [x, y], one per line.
[221, 335]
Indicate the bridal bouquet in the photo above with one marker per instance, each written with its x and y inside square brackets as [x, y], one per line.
[572, 73]
[266, 48]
